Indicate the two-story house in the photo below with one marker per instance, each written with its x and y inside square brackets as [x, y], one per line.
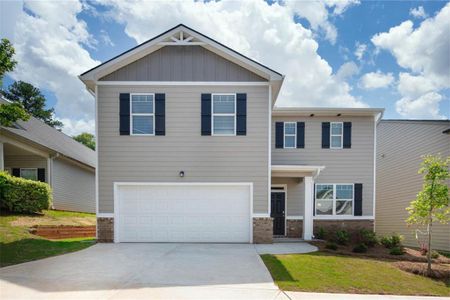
[191, 149]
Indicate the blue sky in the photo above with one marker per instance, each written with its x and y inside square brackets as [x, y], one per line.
[56, 41]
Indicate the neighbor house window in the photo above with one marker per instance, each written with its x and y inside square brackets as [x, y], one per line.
[290, 132]
[224, 114]
[334, 199]
[29, 173]
[142, 114]
[336, 135]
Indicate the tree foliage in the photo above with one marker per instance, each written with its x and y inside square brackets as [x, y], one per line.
[10, 113]
[86, 139]
[32, 101]
[7, 63]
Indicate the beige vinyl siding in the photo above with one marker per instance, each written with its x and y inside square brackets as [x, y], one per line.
[355, 165]
[295, 194]
[183, 148]
[73, 187]
[400, 145]
[26, 161]
[182, 63]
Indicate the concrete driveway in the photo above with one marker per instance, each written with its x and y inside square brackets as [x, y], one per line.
[133, 271]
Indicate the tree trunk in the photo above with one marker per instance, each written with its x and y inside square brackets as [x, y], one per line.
[429, 248]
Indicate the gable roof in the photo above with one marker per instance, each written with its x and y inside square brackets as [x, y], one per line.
[38, 132]
[193, 37]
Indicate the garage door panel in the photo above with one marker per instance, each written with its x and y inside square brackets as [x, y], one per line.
[184, 213]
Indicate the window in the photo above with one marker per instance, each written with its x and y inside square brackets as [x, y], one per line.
[29, 173]
[224, 114]
[142, 114]
[334, 199]
[290, 133]
[336, 135]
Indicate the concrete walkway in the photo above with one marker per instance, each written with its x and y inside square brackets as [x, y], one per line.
[326, 296]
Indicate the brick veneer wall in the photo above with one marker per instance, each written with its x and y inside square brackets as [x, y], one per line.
[105, 230]
[262, 230]
[294, 228]
[351, 226]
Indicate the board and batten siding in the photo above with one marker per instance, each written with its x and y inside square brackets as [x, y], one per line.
[182, 63]
[400, 145]
[354, 165]
[73, 187]
[183, 148]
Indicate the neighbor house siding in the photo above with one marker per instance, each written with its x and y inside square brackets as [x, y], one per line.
[182, 63]
[400, 145]
[183, 148]
[354, 165]
[26, 161]
[73, 187]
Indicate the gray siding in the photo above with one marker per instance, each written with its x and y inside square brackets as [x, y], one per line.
[353, 165]
[202, 158]
[26, 161]
[295, 194]
[182, 63]
[400, 145]
[73, 187]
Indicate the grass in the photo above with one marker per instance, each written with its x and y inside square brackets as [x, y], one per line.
[322, 272]
[17, 245]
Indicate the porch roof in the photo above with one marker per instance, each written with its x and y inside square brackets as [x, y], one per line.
[296, 170]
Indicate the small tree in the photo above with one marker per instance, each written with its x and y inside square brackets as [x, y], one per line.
[10, 113]
[86, 139]
[432, 202]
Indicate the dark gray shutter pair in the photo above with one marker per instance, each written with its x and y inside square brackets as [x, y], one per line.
[160, 114]
[241, 114]
[358, 198]
[40, 173]
[347, 138]
[279, 135]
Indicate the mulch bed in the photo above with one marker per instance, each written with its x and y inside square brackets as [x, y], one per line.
[56, 232]
[438, 271]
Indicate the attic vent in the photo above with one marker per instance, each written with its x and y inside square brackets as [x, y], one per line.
[181, 38]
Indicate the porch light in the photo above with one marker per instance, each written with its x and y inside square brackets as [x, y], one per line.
[181, 173]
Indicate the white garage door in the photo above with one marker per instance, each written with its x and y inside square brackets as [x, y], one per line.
[183, 213]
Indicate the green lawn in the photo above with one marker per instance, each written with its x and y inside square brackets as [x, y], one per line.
[322, 272]
[17, 245]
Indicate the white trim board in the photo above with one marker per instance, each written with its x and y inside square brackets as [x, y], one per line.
[185, 83]
[116, 200]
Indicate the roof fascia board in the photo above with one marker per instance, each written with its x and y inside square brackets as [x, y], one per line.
[325, 112]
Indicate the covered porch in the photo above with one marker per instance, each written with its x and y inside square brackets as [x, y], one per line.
[292, 200]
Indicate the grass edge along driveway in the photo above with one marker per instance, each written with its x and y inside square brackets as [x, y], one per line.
[17, 245]
[327, 273]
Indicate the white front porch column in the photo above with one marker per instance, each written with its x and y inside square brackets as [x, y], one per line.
[308, 209]
[2, 158]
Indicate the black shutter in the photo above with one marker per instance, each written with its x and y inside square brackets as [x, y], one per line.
[160, 114]
[314, 200]
[300, 134]
[347, 135]
[279, 135]
[358, 199]
[124, 114]
[16, 172]
[206, 114]
[241, 114]
[326, 135]
[41, 174]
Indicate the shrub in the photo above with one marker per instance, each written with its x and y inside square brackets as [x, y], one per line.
[23, 195]
[434, 254]
[320, 233]
[396, 250]
[360, 248]
[368, 237]
[331, 246]
[342, 237]
[392, 241]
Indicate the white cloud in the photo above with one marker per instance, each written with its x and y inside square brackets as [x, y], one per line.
[347, 70]
[424, 52]
[418, 12]
[261, 31]
[49, 38]
[75, 127]
[376, 80]
[105, 39]
[360, 50]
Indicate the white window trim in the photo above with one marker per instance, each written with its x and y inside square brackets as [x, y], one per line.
[290, 134]
[334, 200]
[341, 135]
[34, 169]
[223, 114]
[141, 114]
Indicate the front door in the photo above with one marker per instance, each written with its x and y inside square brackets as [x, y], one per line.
[278, 212]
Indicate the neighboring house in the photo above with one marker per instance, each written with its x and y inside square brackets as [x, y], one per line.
[400, 145]
[190, 149]
[36, 151]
